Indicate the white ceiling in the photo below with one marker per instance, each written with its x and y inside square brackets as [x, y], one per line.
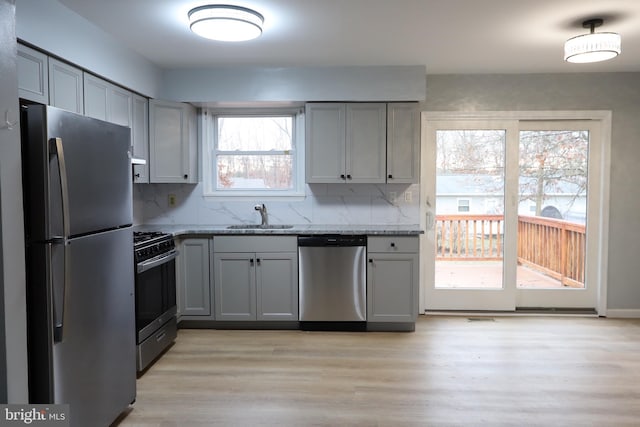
[446, 36]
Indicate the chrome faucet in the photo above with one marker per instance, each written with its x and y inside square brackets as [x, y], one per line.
[263, 213]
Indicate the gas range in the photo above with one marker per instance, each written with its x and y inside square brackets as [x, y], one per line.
[150, 244]
[155, 282]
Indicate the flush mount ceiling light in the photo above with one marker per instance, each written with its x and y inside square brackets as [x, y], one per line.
[592, 47]
[225, 22]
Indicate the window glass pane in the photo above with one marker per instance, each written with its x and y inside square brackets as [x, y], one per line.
[254, 172]
[255, 133]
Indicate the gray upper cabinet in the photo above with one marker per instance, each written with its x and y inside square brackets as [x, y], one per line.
[346, 142]
[95, 97]
[325, 143]
[194, 279]
[33, 80]
[106, 101]
[120, 106]
[403, 143]
[366, 128]
[172, 142]
[392, 279]
[140, 137]
[66, 86]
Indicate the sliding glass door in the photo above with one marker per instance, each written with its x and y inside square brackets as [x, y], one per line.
[511, 214]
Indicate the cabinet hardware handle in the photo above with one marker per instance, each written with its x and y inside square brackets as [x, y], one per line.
[348, 176]
[390, 176]
[137, 175]
[258, 261]
[342, 176]
[186, 176]
[393, 245]
[251, 261]
[370, 260]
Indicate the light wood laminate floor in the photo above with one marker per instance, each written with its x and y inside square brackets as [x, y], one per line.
[452, 371]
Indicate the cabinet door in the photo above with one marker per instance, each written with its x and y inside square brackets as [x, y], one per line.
[65, 86]
[234, 286]
[366, 127]
[172, 143]
[277, 286]
[140, 137]
[194, 297]
[95, 97]
[403, 143]
[33, 80]
[325, 142]
[119, 102]
[392, 287]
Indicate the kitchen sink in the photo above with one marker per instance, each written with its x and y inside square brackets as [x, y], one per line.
[259, 227]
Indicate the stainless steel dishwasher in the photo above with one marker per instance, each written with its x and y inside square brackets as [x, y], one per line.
[332, 274]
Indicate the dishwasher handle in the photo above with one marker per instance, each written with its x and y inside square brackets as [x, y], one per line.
[332, 240]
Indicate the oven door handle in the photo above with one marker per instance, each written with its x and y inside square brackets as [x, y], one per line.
[154, 262]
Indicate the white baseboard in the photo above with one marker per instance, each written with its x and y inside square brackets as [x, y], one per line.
[623, 313]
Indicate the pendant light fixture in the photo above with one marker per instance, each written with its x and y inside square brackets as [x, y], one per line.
[592, 47]
[225, 22]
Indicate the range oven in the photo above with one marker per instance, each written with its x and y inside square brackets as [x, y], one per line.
[155, 287]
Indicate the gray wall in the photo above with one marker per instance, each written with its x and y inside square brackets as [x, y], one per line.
[13, 347]
[618, 92]
[287, 84]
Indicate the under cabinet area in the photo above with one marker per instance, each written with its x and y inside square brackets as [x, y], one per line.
[194, 279]
[255, 278]
[392, 280]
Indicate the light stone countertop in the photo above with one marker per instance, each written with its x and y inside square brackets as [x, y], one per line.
[207, 230]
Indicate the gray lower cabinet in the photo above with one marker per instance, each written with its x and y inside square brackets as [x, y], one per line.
[255, 278]
[194, 279]
[392, 279]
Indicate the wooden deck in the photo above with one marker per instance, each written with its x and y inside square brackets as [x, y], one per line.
[488, 275]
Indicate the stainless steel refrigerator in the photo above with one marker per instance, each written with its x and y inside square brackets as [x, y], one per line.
[80, 280]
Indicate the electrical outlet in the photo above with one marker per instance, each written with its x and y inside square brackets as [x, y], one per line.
[172, 200]
[392, 196]
[408, 196]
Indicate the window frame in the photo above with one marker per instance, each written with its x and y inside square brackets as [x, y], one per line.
[210, 151]
[468, 205]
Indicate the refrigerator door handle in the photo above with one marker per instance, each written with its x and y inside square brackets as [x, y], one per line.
[58, 301]
[60, 306]
[56, 147]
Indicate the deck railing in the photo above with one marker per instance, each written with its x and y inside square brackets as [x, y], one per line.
[552, 246]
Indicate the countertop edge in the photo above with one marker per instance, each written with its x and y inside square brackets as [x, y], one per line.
[195, 230]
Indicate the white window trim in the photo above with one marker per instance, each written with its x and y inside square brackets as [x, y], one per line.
[468, 206]
[207, 131]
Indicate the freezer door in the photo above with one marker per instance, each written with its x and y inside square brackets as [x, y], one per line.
[78, 165]
[94, 366]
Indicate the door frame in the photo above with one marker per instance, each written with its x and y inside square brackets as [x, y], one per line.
[426, 215]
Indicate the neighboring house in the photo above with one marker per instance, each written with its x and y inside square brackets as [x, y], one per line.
[482, 194]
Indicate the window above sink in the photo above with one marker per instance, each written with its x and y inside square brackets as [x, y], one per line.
[257, 152]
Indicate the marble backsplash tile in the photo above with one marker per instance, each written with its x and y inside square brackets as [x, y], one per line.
[342, 204]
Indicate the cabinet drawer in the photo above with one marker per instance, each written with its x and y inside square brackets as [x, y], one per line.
[255, 244]
[393, 244]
